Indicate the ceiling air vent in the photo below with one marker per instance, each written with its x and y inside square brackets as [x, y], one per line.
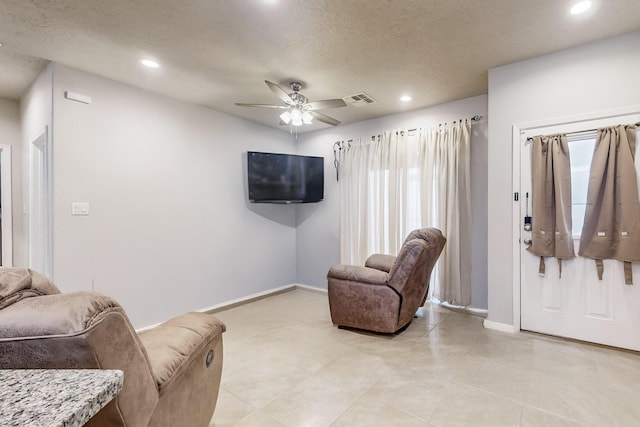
[359, 99]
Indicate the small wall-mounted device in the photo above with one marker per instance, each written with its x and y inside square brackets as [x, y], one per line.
[80, 208]
[527, 218]
[77, 97]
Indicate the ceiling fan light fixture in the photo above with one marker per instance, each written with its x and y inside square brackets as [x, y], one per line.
[296, 114]
[286, 117]
[296, 117]
[307, 118]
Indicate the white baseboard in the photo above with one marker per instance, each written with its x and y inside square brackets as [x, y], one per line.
[250, 298]
[311, 288]
[260, 295]
[478, 312]
[497, 326]
[236, 302]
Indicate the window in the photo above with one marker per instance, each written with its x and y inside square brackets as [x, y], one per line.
[581, 152]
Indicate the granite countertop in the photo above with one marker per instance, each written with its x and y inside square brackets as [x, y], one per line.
[55, 397]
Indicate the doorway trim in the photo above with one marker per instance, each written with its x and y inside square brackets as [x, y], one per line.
[518, 132]
[7, 206]
[40, 170]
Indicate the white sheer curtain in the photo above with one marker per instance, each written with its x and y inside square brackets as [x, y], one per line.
[373, 193]
[397, 182]
[445, 168]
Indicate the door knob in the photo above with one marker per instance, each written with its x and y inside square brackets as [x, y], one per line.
[527, 242]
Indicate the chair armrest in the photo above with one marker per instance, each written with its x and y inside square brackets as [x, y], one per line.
[356, 273]
[380, 262]
[172, 345]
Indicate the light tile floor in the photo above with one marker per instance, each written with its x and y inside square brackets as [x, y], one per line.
[285, 364]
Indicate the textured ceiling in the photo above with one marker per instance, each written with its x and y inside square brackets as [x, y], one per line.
[217, 52]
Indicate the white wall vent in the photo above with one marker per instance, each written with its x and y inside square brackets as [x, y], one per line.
[359, 99]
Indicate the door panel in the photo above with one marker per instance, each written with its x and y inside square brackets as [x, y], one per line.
[576, 305]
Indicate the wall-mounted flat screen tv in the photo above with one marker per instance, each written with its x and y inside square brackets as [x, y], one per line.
[285, 178]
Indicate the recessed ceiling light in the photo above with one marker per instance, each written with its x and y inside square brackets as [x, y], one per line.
[149, 63]
[1, 45]
[580, 7]
[405, 98]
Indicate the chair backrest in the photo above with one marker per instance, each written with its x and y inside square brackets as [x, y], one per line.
[411, 272]
[41, 328]
[19, 283]
[420, 233]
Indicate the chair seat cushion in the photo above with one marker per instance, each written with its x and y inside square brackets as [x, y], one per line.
[171, 345]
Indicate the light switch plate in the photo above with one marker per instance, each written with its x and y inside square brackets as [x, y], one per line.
[79, 208]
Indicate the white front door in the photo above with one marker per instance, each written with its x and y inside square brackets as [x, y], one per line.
[576, 305]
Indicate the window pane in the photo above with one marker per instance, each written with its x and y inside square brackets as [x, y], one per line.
[581, 153]
[579, 186]
[577, 217]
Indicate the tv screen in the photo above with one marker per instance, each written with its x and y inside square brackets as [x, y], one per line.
[285, 178]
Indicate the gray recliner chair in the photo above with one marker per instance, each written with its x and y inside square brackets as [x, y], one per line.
[171, 372]
[384, 295]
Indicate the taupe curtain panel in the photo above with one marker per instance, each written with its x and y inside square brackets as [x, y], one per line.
[551, 199]
[612, 220]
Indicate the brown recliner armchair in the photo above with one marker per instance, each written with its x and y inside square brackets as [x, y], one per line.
[171, 372]
[384, 295]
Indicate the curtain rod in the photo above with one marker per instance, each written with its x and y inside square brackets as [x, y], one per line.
[339, 145]
[581, 131]
[475, 118]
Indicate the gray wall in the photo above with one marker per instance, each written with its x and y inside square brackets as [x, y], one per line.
[10, 134]
[587, 79]
[318, 231]
[170, 228]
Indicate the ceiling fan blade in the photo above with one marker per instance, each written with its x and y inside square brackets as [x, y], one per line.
[325, 104]
[324, 118]
[279, 92]
[241, 104]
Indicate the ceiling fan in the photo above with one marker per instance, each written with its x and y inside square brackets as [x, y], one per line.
[299, 110]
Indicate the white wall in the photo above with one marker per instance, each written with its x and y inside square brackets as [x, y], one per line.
[170, 228]
[10, 134]
[587, 79]
[318, 230]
